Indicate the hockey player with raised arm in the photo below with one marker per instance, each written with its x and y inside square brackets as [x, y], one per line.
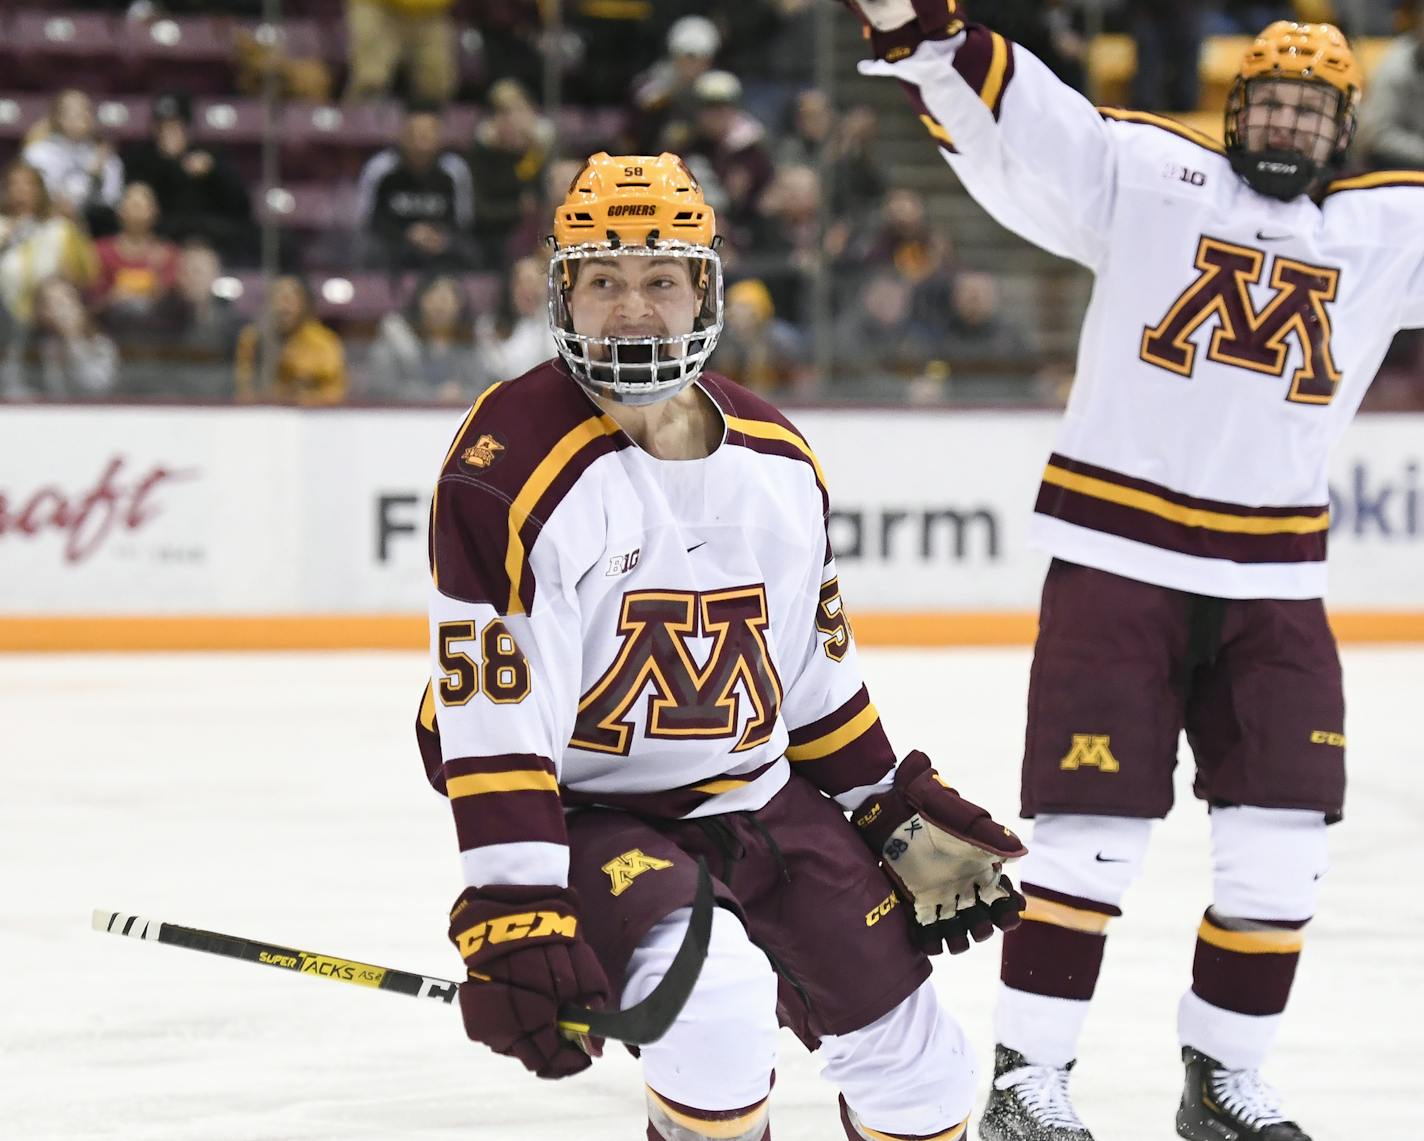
[1244, 299]
[639, 657]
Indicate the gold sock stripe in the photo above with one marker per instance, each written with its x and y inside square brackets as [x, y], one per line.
[1062, 915]
[1270, 941]
[727, 1127]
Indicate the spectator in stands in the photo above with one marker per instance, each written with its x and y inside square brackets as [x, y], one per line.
[36, 243]
[879, 345]
[610, 42]
[855, 179]
[758, 349]
[507, 162]
[733, 143]
[1392, 118]
[514, 339]
[194, 333]
[63, 357]
[420, 34]
[904, 240]
[788, 246]
[426, 355]
[772, 44]
[1168, 34]
[416, 200]
[81, 171]
[135, 266]
[663, 95]
[979, 336]
[529, 238]
[200, 194]
[309, 363]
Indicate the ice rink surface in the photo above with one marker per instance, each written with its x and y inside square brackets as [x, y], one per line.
[280, 797]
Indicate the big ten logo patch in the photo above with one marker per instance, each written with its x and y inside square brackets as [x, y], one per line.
[622, 564]
[1247, 337]
[1090, 751]
[662, 632]
[623, 870]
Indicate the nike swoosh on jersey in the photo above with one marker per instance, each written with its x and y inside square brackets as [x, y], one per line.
[695, 546]
[1262, 236]
[1102, 859]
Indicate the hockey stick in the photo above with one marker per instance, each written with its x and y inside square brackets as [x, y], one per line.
[641, 1024]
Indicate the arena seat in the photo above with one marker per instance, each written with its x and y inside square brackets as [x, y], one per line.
[43, 46]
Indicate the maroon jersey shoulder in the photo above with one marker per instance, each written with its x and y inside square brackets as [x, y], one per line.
[523, 446]
[514, 426]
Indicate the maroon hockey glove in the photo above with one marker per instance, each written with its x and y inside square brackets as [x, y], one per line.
[526, 958]
[897, 27]
[945, 855]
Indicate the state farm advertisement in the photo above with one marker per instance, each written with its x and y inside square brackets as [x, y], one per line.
[130, 511]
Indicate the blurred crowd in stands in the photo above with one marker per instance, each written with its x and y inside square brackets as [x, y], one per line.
[352, 205]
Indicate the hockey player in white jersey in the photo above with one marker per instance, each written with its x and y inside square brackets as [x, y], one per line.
[639, 657]
[1244, 298]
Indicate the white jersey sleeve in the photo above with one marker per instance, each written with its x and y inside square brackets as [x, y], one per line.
[1032, 151]
[835, 736]
[1414, 298]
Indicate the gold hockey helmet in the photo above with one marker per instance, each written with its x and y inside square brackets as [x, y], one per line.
[636, 206]
[1299, 82]
[633, 197]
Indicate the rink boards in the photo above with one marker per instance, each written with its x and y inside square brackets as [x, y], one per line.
[270, 527]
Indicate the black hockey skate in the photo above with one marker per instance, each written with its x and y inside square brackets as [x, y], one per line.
[1230, 1105]
[1030, 1103]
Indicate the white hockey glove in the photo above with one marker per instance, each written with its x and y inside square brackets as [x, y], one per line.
[897, 27]
[944, 855]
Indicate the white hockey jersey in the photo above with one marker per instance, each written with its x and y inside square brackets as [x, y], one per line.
[1230, 336]
[610, 628]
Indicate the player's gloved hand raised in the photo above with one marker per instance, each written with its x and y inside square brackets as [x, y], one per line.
[898, 26]
[945, 855]
[526, 958]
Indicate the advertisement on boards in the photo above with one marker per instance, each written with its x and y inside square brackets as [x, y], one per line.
[131, 511]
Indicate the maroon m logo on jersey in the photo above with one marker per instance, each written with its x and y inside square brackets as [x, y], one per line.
[1245, 337]
[687, 701]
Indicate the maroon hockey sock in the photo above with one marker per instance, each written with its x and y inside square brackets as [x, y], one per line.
[1246, 965]
[1058, 950]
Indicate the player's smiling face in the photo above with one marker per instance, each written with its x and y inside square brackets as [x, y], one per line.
[1291, 115]
[633, 296]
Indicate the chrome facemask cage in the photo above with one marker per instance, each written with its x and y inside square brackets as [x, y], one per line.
[637, 370]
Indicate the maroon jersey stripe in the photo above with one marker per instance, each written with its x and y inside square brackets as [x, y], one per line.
[1216, 505]
[509, 818]
[831, 721]
[1153, 530]
[986, 62]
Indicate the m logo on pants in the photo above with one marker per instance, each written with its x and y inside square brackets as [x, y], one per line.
[1090, 751]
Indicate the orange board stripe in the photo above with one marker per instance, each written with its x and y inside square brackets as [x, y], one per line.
[30, 634]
